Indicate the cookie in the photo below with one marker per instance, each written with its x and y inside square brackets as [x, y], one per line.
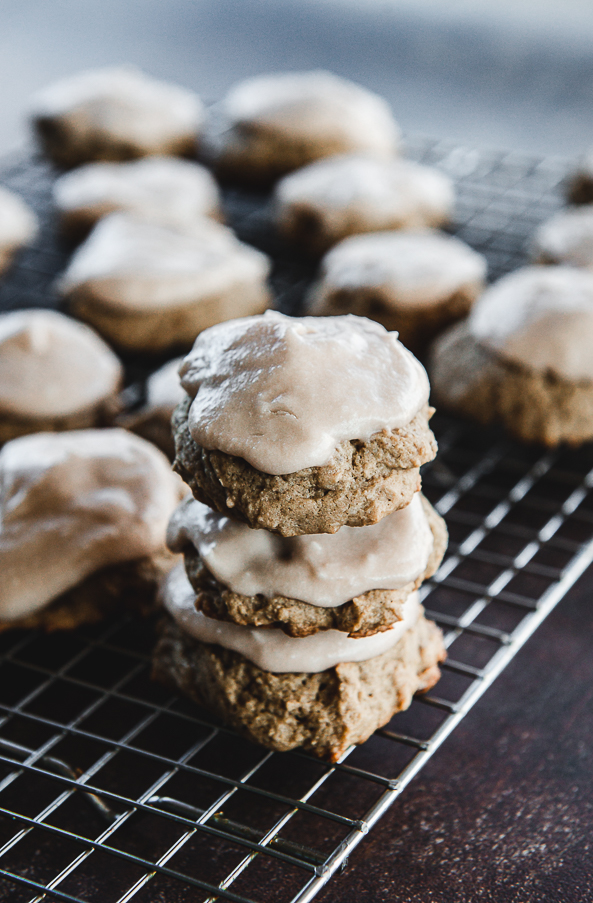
[354, 565]
[271, 124]
[115, 113]
[363, 482]
[132, 584]
[523, 357]
[72, 505]
[320, 204]
[415, 282]
[322, 710]
[18, 226]
[55, 374]
[165, 189]
[302, 425]
[579, 184]
[566, 238]
[151, 287]
[152, 420]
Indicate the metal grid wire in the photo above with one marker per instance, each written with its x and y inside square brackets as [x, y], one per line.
[112, 789]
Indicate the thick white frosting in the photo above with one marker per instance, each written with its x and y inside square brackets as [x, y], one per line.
[540, 317]
[18, 223]
[413, 268]
[133, 264]
[124, 102]
[72, 503]
[53, 366]
[325, 570]
[282, 393]
[567, 237]
[317, 107]
[163, 188]
[360, 194]
[269, 647]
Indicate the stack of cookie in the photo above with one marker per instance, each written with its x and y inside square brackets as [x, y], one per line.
[296, 618]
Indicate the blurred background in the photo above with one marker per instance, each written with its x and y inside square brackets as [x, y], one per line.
[512, 74]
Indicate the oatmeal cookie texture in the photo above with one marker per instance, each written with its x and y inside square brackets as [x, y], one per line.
[523, 356]
[264, 437]
[75, 508]
[114, 113]
[150, 286]
[55, 375]
[362, 483]
[366, 614]
[132, 585]
[534, 406]
[324, 713]
[272, 124]
[321, 204]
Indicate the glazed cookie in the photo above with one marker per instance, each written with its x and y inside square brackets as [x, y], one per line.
[322, 693]
[152, 420]
[271, 124]
[325, 202]
[18, 226]
[415, 282]
[55, 374]
[579, 185]
[566, 238]
[523, 357]
[116, 113]
[150, 287]
[356, 580]
[161, 188]
[76, 504]
[302, 425]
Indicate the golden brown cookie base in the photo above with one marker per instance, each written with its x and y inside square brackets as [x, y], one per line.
[534, 407]
[579, 189]
[305, 225]
[362, 483]
[417, 325]
[132, 585]
[67, 147]
[257, 157]
[100, 415]
[155, 331]
[364, 615]
[7, 254]
[322, 713]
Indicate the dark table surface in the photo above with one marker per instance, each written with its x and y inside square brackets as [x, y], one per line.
[504, 812]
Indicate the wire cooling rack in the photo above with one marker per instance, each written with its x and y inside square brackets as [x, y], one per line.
[113, 790]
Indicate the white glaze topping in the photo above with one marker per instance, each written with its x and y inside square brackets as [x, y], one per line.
[540, 317]
[163, 188]
[325, 570]
[72, 503]
[360, 194]
[269, 647]
[18, 223]
[317, 107]
[567, 237]
[414, 268]
[53, 366]
[131, 263]
[124, 102]
[282, 393]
